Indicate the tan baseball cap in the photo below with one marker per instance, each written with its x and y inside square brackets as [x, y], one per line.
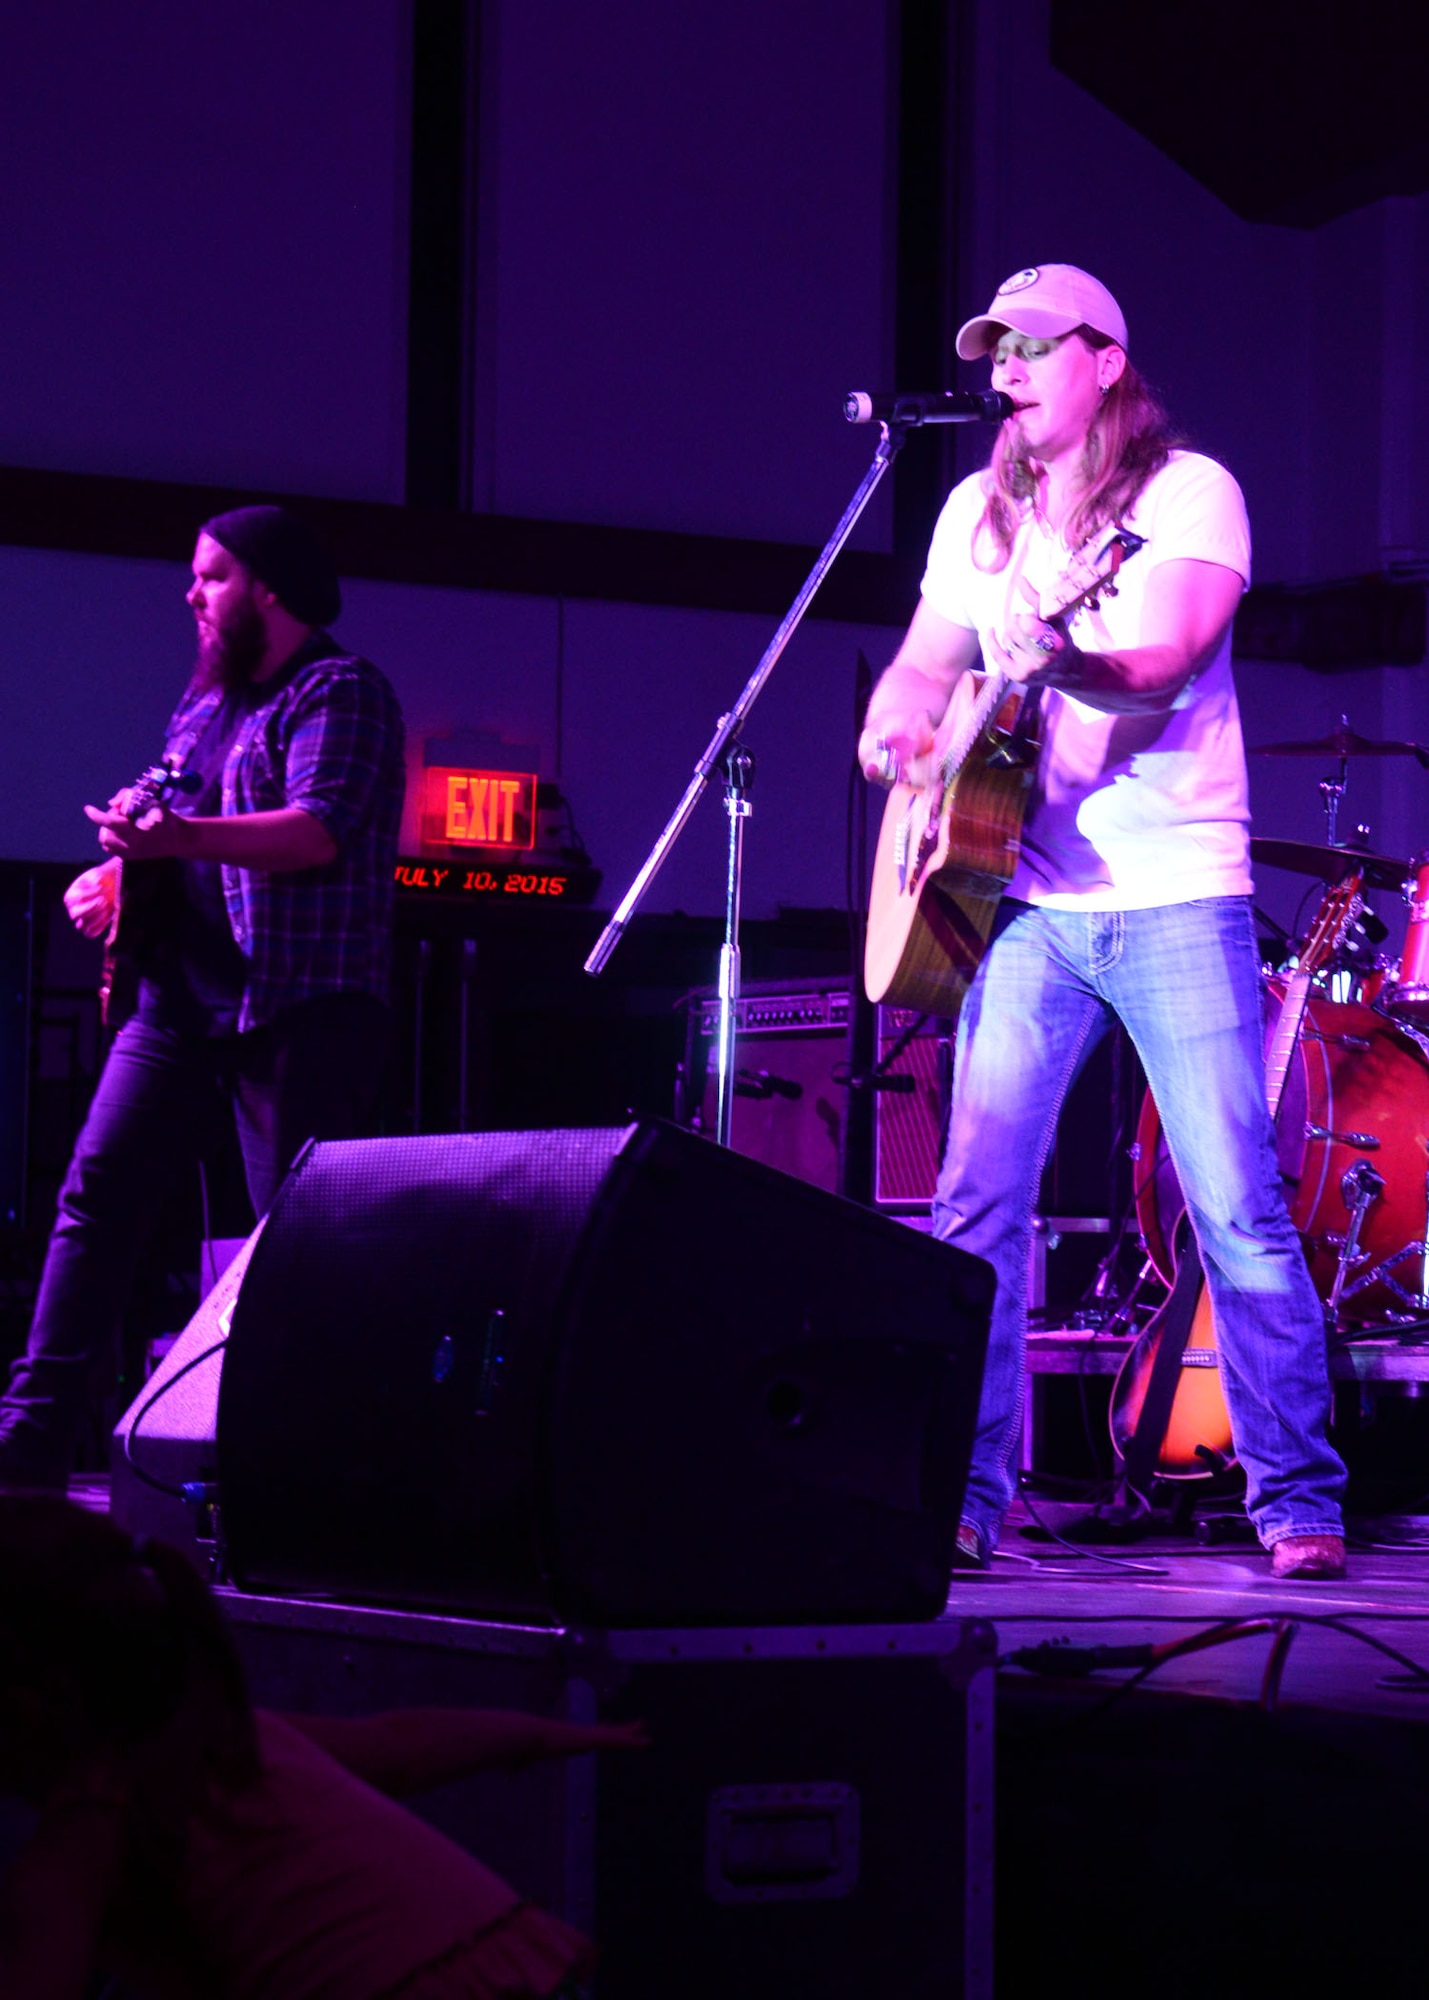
[1044, 301]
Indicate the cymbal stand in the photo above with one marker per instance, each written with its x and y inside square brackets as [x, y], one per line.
[1332, 791]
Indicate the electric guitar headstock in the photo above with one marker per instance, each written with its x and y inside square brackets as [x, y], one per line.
[157, 784]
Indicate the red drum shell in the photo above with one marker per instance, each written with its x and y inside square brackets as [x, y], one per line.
[1408, 999]
[1379, 979]
[1381, 1090]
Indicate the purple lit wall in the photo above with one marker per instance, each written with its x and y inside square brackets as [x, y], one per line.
[682, 262]
[203, 241]
[682, 255]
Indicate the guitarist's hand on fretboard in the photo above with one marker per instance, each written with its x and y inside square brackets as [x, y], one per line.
[154, 836]
[1033, 650]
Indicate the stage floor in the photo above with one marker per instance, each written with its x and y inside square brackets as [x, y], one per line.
[1157, 1590]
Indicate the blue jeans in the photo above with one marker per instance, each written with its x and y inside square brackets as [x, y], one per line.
[314, 1072]
[1184, 981]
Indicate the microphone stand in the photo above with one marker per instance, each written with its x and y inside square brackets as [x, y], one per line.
[893, 434]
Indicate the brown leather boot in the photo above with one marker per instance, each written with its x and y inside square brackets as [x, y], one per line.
[971, 1551]
[1308, 1559]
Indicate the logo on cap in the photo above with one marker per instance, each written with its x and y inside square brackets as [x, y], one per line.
[1018, 282]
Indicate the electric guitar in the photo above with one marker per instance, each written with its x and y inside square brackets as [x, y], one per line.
[136, 889]
[1197, 1441]
[947, 850]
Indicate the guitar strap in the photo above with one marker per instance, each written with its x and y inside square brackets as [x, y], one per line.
[1143, 1447]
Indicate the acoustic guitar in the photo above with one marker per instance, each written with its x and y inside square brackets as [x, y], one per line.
[948, 849]
[136, 891]
[1197, 1441]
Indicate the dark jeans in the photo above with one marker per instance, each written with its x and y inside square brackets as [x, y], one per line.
[314, 1073]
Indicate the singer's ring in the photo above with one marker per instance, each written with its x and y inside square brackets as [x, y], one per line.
[1046, 642]
[889, 769]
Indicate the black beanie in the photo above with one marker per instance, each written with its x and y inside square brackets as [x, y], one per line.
[285, 555]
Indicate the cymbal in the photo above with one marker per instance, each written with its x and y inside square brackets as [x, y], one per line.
[1342, 741]
[1331, 864]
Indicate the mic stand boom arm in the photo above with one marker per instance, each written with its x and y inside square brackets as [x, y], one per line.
[726, 731]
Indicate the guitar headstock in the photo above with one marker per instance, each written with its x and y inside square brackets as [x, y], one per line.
[1339, 907]
[1096, 571]
[157, 785]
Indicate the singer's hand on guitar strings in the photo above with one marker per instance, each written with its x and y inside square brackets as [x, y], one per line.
[895, 748]
[90, 899]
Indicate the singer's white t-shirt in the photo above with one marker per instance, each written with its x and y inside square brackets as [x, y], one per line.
[1128, 811]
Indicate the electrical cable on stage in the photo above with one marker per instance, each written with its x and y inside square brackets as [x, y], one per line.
[1081, 1548]
[1055, 1659]
[1059, 1660]
[160, 1485]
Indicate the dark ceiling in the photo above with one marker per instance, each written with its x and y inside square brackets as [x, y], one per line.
[1291, 114]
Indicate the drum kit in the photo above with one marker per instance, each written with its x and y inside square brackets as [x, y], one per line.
[1353, 1129]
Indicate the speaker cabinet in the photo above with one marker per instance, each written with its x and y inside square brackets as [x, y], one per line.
[791, 1047]
[625, 1377]
[909, 1120]
[790, 1099]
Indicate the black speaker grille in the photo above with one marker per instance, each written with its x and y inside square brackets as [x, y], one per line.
[403, 1288]
[626, 1376]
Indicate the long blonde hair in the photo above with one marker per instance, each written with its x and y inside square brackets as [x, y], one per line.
[1129, 440]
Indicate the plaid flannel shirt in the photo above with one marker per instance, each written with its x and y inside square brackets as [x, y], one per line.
[330, 740]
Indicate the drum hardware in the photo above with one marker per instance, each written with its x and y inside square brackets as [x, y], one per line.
[1356, 1076]
[1366, 1141]
[1382, 1274]
[1343, 743]
[1331, 863]
[1359, 1186]
[1407, 1000]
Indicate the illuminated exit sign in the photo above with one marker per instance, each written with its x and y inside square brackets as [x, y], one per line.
[495, 809]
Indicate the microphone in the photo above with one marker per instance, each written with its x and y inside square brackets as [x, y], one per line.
[937, 406]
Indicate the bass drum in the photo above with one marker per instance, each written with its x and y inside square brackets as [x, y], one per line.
[1354, 1077]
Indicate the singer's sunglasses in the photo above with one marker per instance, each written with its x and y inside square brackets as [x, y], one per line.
[1025, 347]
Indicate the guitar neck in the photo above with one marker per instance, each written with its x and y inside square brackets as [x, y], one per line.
[993, 692]
[1287, 1034]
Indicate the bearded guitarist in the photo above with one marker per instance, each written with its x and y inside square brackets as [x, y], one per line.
[1130, 897]
[262, 969]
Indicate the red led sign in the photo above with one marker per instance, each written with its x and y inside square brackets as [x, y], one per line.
[489, 809]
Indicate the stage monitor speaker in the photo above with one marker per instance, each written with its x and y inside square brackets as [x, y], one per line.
[167, 1439]
[623, 1377]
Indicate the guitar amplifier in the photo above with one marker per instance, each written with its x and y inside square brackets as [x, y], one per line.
[791, 1056]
